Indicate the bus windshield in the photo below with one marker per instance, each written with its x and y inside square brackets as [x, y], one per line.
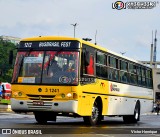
[50, 67]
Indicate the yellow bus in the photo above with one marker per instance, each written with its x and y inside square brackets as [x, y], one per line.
[72, 77]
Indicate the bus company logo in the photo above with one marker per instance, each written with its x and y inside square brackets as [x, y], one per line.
[64, 79]
[102, 85]
[40, 98]
[114, 87]
[119, 5]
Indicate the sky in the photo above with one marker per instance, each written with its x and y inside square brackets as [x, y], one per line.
[125, 30]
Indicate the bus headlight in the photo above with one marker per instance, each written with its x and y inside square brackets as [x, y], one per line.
[18, 94]
[69, 95]
[14, 94]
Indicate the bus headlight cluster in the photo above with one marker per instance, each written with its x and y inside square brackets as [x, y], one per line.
[69, 95]
[17, 94]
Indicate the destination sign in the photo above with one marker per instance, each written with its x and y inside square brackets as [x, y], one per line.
[49, 44]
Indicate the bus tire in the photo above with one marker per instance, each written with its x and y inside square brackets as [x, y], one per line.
[40, 118]
[133, 118]
[43, 117]
[96, 116]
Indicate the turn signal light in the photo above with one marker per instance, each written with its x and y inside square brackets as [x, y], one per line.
[75, 96]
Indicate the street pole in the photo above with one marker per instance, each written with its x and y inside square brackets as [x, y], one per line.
[74, 25]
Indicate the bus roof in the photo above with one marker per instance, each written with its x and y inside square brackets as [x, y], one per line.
[44, 38]
[127, 58]
[38, 38]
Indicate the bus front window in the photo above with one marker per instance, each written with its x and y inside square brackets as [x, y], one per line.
[52, 68]
[60, 68]
[28, 67]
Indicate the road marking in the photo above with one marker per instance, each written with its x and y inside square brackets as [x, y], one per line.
[104, 135]
[156, 135]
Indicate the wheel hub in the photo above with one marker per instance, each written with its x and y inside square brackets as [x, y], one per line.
[94, 113]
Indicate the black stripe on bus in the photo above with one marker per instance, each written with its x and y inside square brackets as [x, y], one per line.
[114, 95]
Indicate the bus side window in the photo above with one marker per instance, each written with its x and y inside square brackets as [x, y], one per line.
[139, 75]
[143, 77]
[124, 71]
[90, 67]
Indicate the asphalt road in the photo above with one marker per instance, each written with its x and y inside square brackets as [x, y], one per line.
[25, 125]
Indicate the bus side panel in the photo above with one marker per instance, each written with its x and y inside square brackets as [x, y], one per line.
[123, 98]
[125, 106]
[89, 96]
[85, 100]
[85, 105]
[147, 106]
[121, 105]
[105, 100]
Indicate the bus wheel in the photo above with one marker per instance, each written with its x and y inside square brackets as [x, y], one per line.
[40, 118]
[133, 118]
[96, 116]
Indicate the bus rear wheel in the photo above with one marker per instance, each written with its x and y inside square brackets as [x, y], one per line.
[133, 118]
[95, 117]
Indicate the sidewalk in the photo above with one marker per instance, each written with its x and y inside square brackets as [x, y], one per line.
[151, 113]
[5, 108]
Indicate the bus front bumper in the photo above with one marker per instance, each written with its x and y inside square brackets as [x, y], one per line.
[70, 106]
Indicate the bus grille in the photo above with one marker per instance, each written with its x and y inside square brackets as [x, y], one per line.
[41, 97]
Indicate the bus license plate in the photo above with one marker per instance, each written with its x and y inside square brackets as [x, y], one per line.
[38, 103]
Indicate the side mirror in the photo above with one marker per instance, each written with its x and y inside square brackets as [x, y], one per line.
[87, 57]
[11, 57]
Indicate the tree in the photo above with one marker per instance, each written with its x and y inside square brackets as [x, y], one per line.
[6, 69]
